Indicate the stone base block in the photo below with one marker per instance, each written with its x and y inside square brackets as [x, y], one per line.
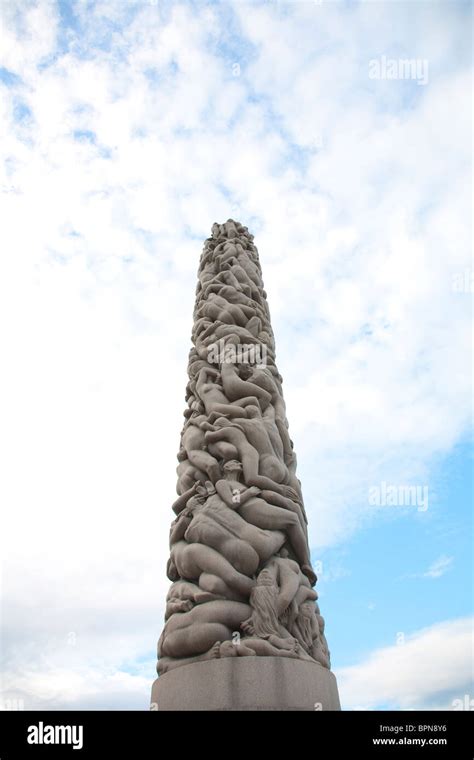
[247, 683]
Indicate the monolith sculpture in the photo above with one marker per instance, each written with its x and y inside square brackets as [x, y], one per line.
[243, 629]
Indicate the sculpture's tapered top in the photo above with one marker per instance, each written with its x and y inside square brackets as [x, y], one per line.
[229, 229]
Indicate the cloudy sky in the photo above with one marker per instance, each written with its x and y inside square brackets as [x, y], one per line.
[129, 127]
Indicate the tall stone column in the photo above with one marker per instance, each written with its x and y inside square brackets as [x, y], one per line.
[243, 629]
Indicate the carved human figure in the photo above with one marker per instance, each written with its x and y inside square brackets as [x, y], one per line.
[266, 602]
[264, 513]
[211, 570]
[193, 442]
[211, 392]
[187, 473]
[194, 632]
[260, 468]
[235, 388]
[213, 523]
[217, 307]
[183, 595]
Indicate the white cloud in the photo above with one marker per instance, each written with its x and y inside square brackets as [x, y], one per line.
[29, 34]
[438, 567]
[430, 670]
